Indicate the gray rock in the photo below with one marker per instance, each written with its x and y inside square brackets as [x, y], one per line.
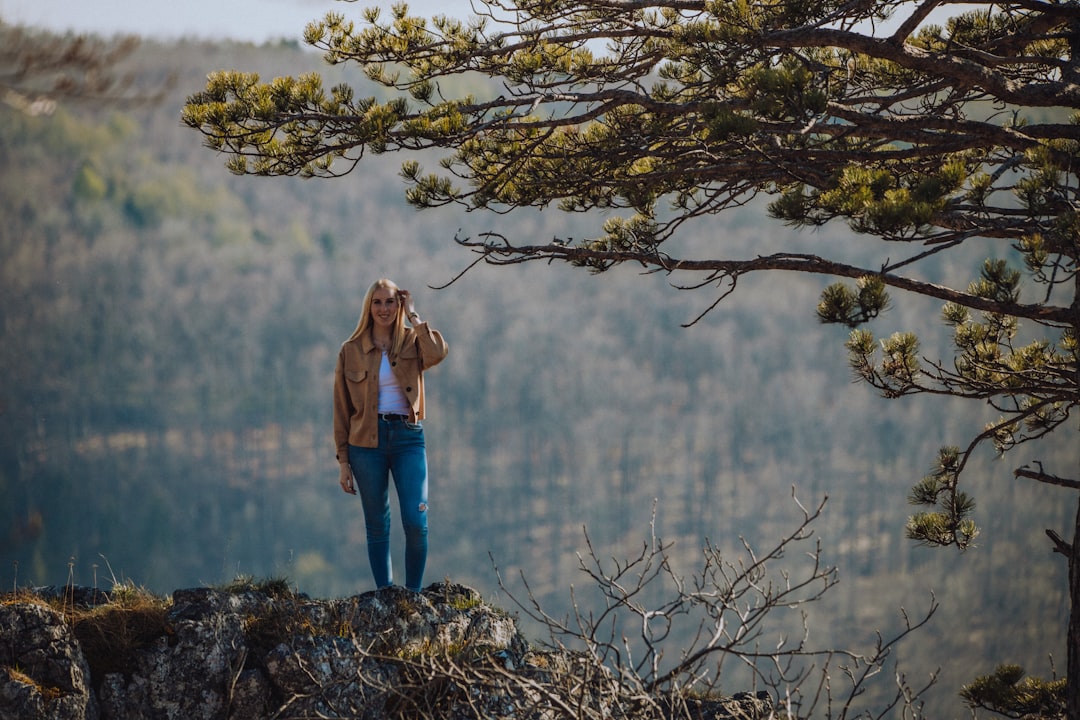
[251, 654]
[188, 674]
[45, 674]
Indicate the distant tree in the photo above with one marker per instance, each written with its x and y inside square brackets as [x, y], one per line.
[925, 136]
[39, 69]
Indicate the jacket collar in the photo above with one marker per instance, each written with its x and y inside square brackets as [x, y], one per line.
[367, 340]
[367, 343]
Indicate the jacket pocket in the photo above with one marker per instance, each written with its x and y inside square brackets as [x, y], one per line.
[355, 383]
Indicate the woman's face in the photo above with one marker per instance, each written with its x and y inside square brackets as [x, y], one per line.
[384, 307]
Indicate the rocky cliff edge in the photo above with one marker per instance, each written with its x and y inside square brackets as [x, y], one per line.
[261, 651]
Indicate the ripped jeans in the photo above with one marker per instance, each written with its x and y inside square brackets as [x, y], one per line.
[402, 454]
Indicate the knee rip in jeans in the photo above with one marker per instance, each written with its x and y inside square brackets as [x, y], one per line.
[422, 507]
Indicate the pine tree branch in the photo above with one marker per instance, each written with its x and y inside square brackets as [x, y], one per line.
[1045, 477]
[1060, 546]
[498, 250]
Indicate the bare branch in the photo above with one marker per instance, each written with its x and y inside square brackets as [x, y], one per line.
[505, 253]
[735, 605]
[1044, 477]
[1060, 546]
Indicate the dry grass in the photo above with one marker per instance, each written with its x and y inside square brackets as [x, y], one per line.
[24, 597]
[111, 633]
[115, 625]
[47, 693]
[127, 618]
[278, 588]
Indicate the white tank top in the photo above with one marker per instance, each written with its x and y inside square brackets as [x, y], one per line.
[392, 400]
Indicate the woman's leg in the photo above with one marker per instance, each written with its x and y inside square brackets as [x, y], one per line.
[408, 464]
[370, 468]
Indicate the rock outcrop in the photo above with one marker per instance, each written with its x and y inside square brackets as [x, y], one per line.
[46, 673]
[250, 653]
[219, 654]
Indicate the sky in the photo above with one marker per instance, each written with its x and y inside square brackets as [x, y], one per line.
[245, 20]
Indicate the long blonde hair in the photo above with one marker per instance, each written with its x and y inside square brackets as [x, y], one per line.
[397, 333]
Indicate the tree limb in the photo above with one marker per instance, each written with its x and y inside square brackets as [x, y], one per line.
[1045, 477]
[504, 253]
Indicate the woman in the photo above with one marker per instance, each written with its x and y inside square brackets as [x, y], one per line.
[378, 406]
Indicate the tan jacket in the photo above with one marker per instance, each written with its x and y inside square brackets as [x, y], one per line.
[356, 384]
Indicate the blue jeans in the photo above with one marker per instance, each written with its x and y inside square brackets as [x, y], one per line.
[400, 453]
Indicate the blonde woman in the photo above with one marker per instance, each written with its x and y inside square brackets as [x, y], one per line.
[378, 408]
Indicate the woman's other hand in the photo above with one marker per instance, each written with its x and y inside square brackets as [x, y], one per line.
[346, 480]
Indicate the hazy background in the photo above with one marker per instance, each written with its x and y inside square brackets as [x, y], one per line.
[168, 341]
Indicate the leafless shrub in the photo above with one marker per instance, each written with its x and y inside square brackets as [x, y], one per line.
[610, 662]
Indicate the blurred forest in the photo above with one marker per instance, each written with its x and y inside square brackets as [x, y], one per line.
[169, 333]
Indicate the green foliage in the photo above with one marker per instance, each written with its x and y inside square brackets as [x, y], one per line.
[951, 523]
[839, 304]
[292, 147]
[752, 97]
[989, 362]
[897, 372]
[1007, 691]
[877, 200]
[463, 602]
[784, 92]
[89, 185]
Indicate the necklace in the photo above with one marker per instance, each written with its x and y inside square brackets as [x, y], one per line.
[383, 345]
